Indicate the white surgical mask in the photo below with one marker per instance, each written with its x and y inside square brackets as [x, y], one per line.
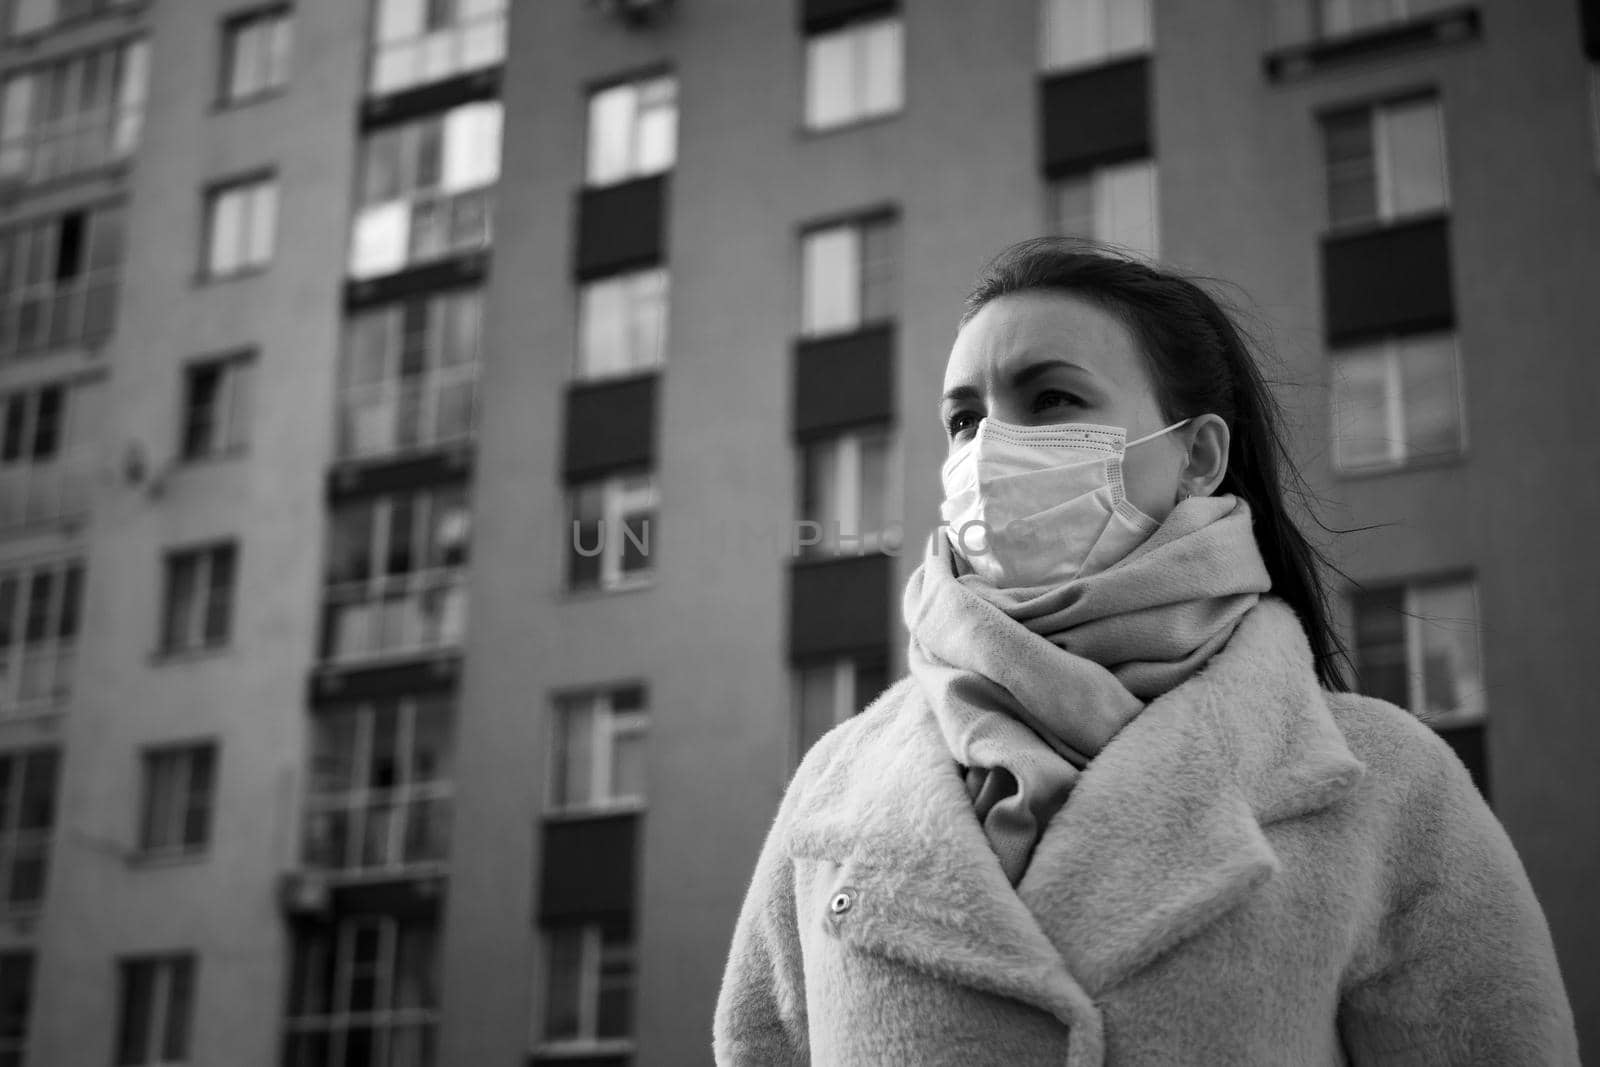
[1041, 505]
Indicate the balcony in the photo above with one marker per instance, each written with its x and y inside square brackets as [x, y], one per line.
[394, 418]
[379, 834]
[400, 234]
[75, 311]
[36, 493]
[470, 44]
[393, 617]
[35, 677]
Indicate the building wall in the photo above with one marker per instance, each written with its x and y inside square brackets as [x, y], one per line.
[222, 905]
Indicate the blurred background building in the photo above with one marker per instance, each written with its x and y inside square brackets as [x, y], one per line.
[320, 322]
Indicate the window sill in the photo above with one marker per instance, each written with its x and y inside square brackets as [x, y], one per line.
[202, 279]
[878, 119]
[227, 105]
[633, 585]
[160, 859]
[583, 813]
[171, 657]
[213, 459]
[28, 40]
[580, 1049]
[616, 377]
[1084, 66]
[1369, 227]
[1416, 464]
[1319, 55]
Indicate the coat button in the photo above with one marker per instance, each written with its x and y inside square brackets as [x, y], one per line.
[841, 901]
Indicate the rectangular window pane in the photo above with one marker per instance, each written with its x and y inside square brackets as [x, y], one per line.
[817, 696]
[879, 274]
[1128, 192]
[611, 117]
[1363, 435]
[180, 992]
[1073, 32]
[137, 1007]
[1072, 201]
[1380, 636]
[1414, 149]
[471, 152]
[575, 727]
[657, 136]
[831, 90]
[563, 984]
[182, 601]
[219, 598]
[831, 280]
[586, 536]
[882, 76]
[1430, 392]
[228, 222]
[1351, 168]
[1450, 658]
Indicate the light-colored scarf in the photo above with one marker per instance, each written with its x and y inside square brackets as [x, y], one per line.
[1028, 685]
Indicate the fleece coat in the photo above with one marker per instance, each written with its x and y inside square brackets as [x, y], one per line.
[1255, 871]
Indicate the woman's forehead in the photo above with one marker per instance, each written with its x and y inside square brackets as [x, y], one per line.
[1013, 332]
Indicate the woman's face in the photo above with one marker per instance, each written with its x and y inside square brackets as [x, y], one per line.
[1043, 357]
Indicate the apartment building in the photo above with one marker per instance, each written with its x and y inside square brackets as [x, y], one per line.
[621, 324]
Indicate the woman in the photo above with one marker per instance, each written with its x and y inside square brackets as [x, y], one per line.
[1121, 810]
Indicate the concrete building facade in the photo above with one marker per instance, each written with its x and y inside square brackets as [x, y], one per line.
[454, 457]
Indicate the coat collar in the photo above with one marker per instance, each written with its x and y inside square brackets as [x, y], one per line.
[1161, 836]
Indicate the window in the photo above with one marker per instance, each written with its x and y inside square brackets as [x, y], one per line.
[589, 983]
[1115, 205]
[1386, 162]
[364, 991]
[418, 41]
[44, 473]
[622, 323]
[633, 130]
[58, 280]
[75, 114]
[1302, 20]
[426, 189]
[40, 606]
[599, 749]
[216, 407]
[1396, 402]
[829, 691]
[178, 784]
[27, 817]
[157, 997]
[849, 276]
[32, 16]
[396, 575]
[381, 783]
[16, 1004]
[410, 374]
[854, 73]
[611, 526]
[1418, 646]
[199, 599]
[255, 49]
[846, 489]
[241, 222]
[1076, 33]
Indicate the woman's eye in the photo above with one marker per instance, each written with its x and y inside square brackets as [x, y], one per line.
[1053, 397]
[960, 422]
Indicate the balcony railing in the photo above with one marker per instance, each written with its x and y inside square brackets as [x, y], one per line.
[40, 492]
[396, 417]
[471, 44]
[371, 832]
[80, 143]
[35, 677]
[396, 616]
[397, 234]
[76, 311]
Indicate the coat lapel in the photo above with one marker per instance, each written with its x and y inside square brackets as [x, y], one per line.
[1162, 833]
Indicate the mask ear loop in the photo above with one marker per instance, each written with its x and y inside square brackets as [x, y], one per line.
[1158, 433]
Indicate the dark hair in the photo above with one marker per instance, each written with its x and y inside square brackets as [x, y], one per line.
[1200, 363]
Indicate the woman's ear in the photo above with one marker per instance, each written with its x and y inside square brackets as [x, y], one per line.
[1208, 456]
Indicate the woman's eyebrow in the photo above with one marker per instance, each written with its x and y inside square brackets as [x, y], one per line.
[1033, 370]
